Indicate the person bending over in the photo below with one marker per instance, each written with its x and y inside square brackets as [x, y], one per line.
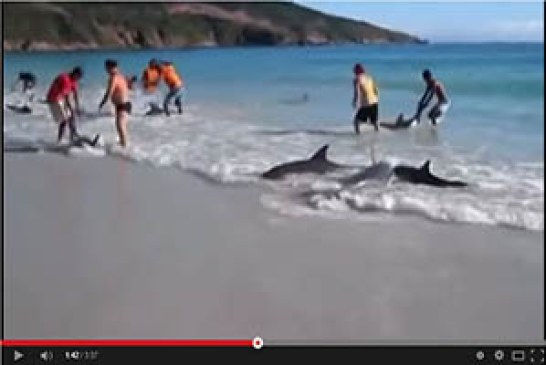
[27, 79]
[175, 84]
[433, 88]
[58, 99]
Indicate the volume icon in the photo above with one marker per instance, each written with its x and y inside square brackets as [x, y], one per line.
[46, 356]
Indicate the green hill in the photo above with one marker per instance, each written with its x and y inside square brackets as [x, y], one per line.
[32, 26]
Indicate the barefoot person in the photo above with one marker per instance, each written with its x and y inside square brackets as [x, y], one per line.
[434, 87]
[58, 99]
[27, 80]
[366, 97]
[175, 84]
[118, 92]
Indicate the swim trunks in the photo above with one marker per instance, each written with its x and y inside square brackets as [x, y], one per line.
[124, 107]
[59, 111]
[439, 110]
[370, 112]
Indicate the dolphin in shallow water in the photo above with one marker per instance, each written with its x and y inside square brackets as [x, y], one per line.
[318, 164]
[400, 123]
[80, 141]
[423, 175]
[384, 171]
[381, 171]
[154, 110]
[25, 109]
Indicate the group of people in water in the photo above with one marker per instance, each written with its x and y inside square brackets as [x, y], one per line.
[118, 90]
[366, 100]
[365, 96]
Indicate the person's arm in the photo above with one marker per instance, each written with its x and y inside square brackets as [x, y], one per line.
[375, 89]
[69, 105]
[423, 102]
[440, 92]
[355, 93]
[76, 102]
[108, 92]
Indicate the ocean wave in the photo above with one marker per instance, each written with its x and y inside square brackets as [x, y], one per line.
[227, 150]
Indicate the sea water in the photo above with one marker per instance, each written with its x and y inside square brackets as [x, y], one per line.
[247, 109]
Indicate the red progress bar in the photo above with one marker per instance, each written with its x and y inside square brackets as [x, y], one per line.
[127, 343]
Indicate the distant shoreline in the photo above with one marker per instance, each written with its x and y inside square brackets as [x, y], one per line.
[53, 48]
[280, 46]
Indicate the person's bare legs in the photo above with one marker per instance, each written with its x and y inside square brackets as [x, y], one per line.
[356, 123]
[121, 126]
[72, 128]
[434, 114]
[61, 131]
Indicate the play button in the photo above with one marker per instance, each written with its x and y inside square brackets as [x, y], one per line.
[17, 355]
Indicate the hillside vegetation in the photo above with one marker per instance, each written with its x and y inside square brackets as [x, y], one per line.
[32, 26]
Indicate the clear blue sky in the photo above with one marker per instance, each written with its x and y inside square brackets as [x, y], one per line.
[448, 21]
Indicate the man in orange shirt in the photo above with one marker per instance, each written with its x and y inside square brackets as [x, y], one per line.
[151, 76]
[175, 85]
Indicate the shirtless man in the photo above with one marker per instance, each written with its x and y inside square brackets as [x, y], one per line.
[434, 87]
[118, 92]
[27, 79]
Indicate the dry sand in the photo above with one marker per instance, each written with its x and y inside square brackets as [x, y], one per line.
[104, 248]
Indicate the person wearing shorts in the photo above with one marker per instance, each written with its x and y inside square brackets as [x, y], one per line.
[118, 92]
[58, 99]
[366, 97]
[434, 88]
[28, 81]
[176, 87]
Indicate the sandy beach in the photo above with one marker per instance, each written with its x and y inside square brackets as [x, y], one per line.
[105, 248]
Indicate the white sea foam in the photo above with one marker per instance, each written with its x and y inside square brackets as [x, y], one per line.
[228, 149]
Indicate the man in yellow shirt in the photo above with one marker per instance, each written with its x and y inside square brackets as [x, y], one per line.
[366, 97]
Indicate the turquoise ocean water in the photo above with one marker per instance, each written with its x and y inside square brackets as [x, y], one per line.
[245, 111]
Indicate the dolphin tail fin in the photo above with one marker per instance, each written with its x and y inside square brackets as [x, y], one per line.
[321, 153]
[95, 140]
[426, 166]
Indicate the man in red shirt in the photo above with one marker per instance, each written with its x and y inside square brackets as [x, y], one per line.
[58, 99]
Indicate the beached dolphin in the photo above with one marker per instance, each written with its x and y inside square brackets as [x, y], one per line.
[81, 141]
[19, 109]
[317, 164]
[154, 110]
[383, 171]
[400, 123]
[423, 175]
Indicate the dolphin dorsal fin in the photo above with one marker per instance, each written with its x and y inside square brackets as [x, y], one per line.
[426, 166]
[321, 153]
